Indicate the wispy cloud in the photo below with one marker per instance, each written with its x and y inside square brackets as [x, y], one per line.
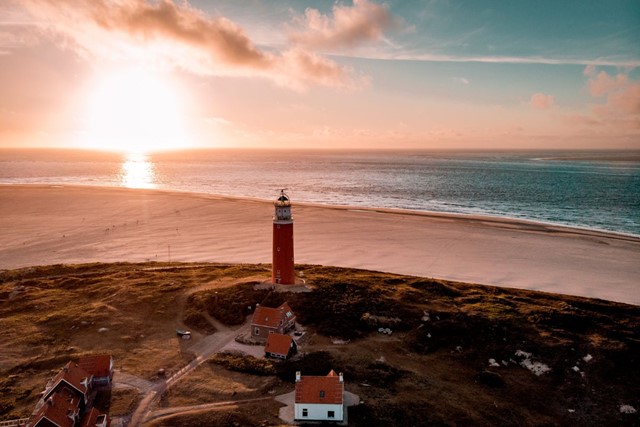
[180, 35]
[428, 57]
[346, 27]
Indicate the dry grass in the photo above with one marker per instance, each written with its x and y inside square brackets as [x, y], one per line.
[49, 315]
[433, 372]
[211, 383]
[248, 415]
[123, 401]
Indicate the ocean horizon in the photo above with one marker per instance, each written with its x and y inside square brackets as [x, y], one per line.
[597, 190]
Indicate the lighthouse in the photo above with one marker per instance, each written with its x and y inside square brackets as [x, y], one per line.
[283, 242]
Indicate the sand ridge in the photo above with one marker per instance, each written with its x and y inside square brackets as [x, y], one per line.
[74, 224]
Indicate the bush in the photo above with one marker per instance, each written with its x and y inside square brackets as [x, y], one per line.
[244, 364]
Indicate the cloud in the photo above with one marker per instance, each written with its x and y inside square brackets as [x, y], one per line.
[621, 94]
[589, 70]
[620, 109]
[487, 59]
[346, 27]
[541, 101]
[163, 32]
[602, 83]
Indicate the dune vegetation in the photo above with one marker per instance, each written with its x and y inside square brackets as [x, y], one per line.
[458, 354]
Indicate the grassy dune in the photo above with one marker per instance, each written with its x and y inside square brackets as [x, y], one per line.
[433, 370]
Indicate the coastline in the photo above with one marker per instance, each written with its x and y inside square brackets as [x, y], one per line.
[47, 224]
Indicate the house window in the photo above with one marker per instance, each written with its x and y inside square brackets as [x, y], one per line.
[305, 412]
[256, 331]
[321, 394]
[331, 414]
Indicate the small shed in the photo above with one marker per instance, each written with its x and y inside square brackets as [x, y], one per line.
[280, 346]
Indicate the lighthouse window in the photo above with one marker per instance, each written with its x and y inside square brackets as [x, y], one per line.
[278, 248]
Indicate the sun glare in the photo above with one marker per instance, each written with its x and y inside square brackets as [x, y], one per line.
[137, 171]
[135, 111]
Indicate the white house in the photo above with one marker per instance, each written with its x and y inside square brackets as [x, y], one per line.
[319, 398]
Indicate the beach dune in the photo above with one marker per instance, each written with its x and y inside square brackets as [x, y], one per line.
[73, 224]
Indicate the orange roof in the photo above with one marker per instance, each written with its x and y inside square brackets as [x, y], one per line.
[278, 344]
[57, 409]
[98, 365]
[320, 389]
[272, 317]
[72, 375]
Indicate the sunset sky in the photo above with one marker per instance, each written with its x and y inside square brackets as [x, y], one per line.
[142, 74]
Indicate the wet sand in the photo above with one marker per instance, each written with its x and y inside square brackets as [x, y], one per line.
[74, 224]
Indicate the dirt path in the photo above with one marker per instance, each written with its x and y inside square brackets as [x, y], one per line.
[202, 350]
[124, 380]
[180, 410]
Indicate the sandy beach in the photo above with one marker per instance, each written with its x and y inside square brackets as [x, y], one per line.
[71, 224]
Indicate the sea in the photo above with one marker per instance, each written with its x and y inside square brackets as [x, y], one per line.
[587, 189]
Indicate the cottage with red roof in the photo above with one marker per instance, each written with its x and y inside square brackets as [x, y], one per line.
[59, 409]
[72, 377]
[100, 367]
[267, 320]
[280, 346]
[66, 400]
[319, 398]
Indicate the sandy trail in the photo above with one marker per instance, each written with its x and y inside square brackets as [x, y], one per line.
[60, 224]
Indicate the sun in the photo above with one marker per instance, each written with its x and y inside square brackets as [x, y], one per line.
[134, 110]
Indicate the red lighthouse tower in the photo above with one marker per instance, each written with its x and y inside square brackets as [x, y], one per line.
[283, 242]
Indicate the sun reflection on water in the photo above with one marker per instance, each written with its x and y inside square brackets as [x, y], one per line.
[137, 171]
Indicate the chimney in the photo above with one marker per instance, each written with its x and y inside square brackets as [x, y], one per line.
[298, 376]
[341, 377]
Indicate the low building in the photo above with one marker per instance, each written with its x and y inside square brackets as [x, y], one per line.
[267, 320]
[73, 378]
[67, 398]
[280, 346]
[59, 409]
[100, 367]
[319, 398]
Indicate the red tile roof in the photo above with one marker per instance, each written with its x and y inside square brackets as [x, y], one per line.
[74, 376]
[272, 317]
[90, 419]
[57, 409]
[278, 344]
[320, 389]
[98, 365]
